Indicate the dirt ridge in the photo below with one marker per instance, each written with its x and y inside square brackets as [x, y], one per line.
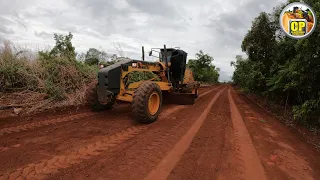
[167, 164]
[246, 149]
[41, 169]
[39, 124]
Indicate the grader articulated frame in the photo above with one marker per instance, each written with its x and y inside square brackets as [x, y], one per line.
[173, 80]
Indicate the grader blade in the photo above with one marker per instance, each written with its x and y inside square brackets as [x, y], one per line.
[179, 98]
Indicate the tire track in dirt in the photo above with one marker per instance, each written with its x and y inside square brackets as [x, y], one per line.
[169, 134]
[39, 124]
[151, 153]
[167, 163]
[283, 154]
[5, 148]
[42, 169]
[245, 149]
[207, 92]
[124, 158]
[10, 143]
[20, 149]
[50, 166]
[167, 112]
[211, 152]
[96, 115]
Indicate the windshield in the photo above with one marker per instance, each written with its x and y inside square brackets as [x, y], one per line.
[162, 59]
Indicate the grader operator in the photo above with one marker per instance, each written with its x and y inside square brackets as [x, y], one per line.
[174, 79]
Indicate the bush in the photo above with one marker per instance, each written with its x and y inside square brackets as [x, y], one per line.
[18, 73]
[64, 77]
[63, 80]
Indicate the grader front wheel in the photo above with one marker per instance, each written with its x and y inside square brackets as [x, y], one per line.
[147, 102]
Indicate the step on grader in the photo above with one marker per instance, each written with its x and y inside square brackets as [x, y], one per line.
[175, 83]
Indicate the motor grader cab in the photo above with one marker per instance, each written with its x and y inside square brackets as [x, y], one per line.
[177, 60]
[146, 96]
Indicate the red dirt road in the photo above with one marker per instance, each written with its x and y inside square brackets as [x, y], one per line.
[222, 136]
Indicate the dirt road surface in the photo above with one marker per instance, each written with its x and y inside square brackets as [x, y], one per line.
[222, 136]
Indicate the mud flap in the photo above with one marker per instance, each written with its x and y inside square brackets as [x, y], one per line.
[179, 98]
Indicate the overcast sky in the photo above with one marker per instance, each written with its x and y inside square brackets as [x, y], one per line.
[215, 26]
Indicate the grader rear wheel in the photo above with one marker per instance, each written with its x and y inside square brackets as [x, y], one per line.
[147, 102]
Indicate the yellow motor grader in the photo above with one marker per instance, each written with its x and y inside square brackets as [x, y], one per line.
[173, 79]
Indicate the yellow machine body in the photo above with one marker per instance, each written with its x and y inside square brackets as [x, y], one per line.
[170, 77]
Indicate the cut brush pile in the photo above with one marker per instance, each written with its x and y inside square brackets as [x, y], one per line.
[52, 79]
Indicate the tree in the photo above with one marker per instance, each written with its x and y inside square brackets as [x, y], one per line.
[203, 69]
[81, 57]
[114, 57]
[281, 68]
[62, 48]
[94, 56]
[119, 49]
[260, 41]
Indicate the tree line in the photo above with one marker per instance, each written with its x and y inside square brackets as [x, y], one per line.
[281, 68]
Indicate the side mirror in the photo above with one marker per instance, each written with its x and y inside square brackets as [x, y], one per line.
[150, 53]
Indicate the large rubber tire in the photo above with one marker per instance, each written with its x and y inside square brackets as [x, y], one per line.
[140, 103]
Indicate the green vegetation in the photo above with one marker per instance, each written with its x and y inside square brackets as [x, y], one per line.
[50, 77]
[202, 68]
[281, 68]
[140, 76]
[94, 56]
